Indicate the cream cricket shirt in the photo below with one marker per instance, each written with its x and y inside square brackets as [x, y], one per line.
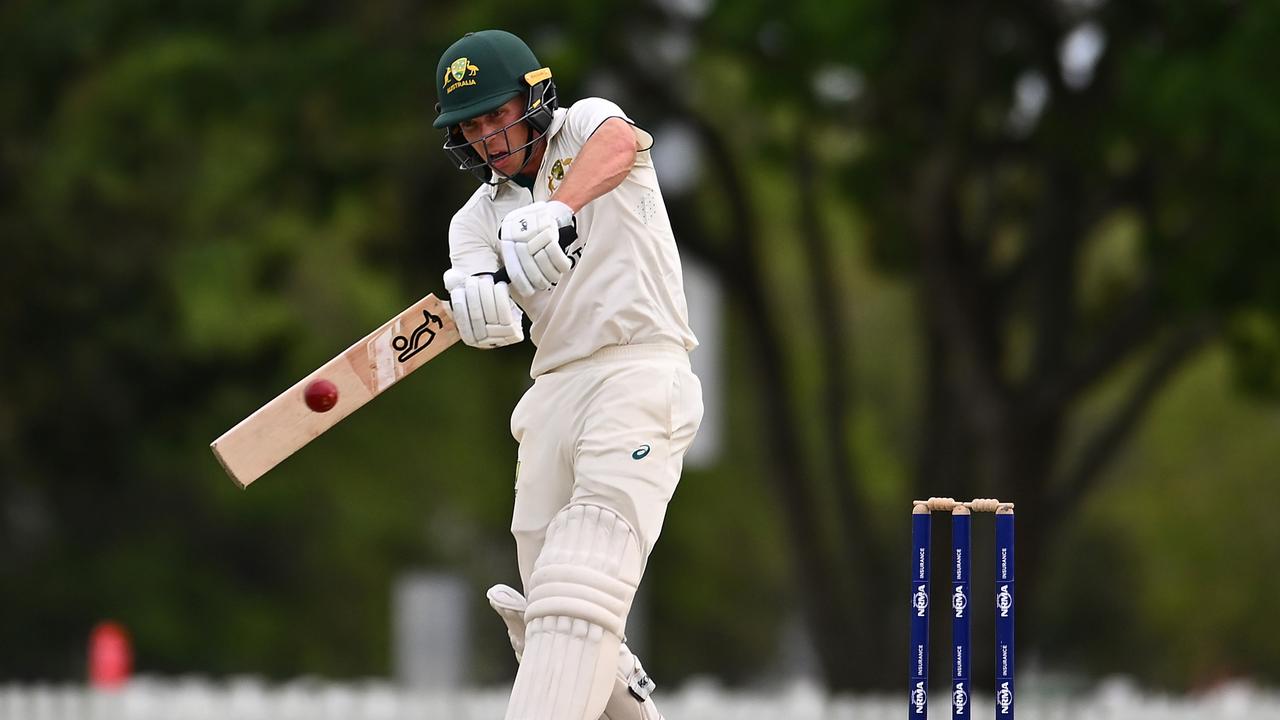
[625, 287]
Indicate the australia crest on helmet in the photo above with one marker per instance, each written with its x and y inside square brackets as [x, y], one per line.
[460, 73]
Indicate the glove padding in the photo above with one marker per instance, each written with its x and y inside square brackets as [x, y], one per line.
[530, 242]
[483, 310]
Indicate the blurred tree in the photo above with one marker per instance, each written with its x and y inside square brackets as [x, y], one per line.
[199, 203]
[1075, 189]
[199, 200]
[1168, 571]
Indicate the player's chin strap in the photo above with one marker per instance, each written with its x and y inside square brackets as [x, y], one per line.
[539, 111]
[515, 177]
[519, 177]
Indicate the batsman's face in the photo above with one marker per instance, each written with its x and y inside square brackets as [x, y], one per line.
[496, 134]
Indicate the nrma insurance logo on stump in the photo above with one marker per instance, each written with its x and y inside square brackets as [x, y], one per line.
[1004, 698]
[920, 600]
[1004, 601]
[959, 602]
[919, 698]
[959, 698]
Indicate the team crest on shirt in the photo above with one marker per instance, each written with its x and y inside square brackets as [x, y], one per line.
[457, 70]
[556, 174]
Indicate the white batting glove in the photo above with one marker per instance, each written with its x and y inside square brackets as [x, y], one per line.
[483, 310]
[530, 242]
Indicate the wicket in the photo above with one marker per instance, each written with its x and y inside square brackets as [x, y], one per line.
[961, 561]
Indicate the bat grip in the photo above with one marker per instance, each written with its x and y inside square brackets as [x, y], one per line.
[568, 234]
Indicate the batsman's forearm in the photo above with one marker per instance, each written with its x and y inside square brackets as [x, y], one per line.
[601, 166]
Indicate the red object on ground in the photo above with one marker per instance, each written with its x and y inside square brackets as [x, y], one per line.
[110, 655]
[322, 395]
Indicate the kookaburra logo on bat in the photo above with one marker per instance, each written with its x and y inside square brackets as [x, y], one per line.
[415, 343]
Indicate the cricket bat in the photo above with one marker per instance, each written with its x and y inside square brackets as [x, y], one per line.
[280, 428]
[300, 414]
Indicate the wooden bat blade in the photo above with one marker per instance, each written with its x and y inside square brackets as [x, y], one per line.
[279, 428]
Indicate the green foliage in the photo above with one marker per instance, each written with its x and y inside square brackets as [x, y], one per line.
[1083, 247]
[1170, 569]
[202, 201]
[208, 201]
[202, 212]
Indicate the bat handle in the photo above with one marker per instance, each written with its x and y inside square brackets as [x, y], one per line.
[568, 234]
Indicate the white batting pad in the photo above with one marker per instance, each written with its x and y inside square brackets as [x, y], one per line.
[629, 698]
[579, 596]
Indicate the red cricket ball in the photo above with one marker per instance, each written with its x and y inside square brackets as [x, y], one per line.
[321, 395]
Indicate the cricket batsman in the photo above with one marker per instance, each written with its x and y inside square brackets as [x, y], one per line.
[614, 406]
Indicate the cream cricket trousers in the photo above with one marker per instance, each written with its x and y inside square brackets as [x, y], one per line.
[609, 430]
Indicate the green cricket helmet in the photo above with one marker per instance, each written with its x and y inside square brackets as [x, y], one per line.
[477, 75]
